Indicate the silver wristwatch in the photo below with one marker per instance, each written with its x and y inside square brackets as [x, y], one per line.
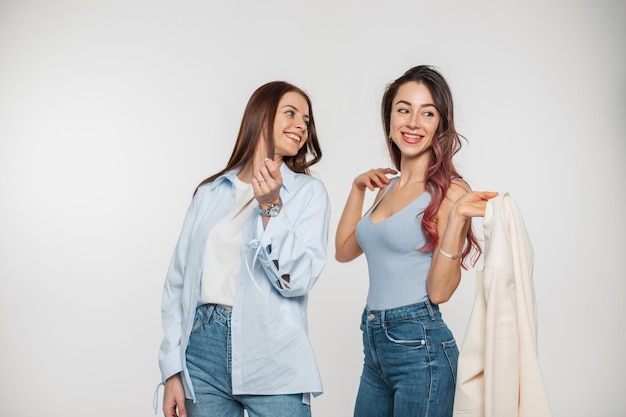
[272, 210]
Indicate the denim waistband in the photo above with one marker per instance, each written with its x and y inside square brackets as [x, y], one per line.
[400, 313]
[215, 312]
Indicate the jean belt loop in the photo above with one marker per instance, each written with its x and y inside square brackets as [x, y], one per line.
[382, 319]
[209, 312]
[431, 312]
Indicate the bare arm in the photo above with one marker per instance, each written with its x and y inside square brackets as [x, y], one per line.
[346, 246]
[453, 222]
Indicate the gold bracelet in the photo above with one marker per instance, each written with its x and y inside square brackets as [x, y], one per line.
[449, 255]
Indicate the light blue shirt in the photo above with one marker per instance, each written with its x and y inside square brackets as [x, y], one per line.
[271, 351]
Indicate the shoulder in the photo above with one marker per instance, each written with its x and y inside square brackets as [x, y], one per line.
[306, 193]
[297, 182]
[221, 183]
[310, 181]
[457, 188]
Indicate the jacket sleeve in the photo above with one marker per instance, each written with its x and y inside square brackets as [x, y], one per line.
[293, 246]
[170, 359]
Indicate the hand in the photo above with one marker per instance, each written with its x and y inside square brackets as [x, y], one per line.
[174, 397]
[266, 183]
[473, 204]
[374, 178]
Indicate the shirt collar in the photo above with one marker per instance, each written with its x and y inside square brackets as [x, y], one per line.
[228, 176]
[289, 177]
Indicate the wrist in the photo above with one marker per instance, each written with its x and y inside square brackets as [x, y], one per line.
[173, 378]
[271, 209]
[449, 255]
[265, 205]
[456, 219]
[358, 187]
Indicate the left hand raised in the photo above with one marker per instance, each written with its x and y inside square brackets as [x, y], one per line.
[266, 183]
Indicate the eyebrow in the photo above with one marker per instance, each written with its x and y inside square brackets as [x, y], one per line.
[409, 104]
[295, 108]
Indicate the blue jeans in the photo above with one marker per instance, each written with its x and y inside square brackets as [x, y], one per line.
[209, 363]
[410, 363]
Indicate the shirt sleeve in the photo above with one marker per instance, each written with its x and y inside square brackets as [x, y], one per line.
[293, 246]
[170, 359]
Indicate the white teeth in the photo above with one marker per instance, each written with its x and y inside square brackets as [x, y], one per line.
[413, 137]
[292, 136]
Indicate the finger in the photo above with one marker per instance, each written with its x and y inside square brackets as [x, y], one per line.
[272, 168]
[370, 179]
[182, 412]
[263, 174]
[487, 195]
[381, 180]
[476, 209]
[384, 179]
[260, 179]
[379, 183]
[169, 410]
[272, 174]
[383, 172]
[480, 196]
[369, 182]
[265, 178]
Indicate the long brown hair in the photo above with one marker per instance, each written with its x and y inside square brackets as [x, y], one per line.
[258, 121]
[446, 143]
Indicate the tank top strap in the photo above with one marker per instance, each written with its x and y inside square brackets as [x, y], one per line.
[376, 203]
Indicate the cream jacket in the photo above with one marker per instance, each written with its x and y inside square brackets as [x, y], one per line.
[498, 370]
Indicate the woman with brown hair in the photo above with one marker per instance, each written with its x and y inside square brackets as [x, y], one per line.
[416, 237]
[252, 245]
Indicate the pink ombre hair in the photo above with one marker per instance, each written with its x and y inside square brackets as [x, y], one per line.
[446, 143]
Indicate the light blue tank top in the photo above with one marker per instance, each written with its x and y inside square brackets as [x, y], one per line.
[397, 268]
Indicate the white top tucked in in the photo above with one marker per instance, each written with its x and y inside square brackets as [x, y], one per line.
[222, 260]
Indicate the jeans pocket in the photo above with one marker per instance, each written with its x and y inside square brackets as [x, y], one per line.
[409, 332]
[452, 353]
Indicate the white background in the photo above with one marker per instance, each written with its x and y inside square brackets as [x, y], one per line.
[111, 112]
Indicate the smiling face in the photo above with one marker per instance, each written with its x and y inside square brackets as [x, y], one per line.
[290, 125]
[414, 120]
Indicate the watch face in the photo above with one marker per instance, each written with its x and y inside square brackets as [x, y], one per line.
[273, 210]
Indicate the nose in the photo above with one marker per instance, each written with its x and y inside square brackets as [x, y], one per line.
[301, 124]
[414, 121]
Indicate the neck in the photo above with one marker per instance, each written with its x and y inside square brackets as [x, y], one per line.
[413, 170]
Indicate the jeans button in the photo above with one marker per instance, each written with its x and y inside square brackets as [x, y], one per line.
[371, 317]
